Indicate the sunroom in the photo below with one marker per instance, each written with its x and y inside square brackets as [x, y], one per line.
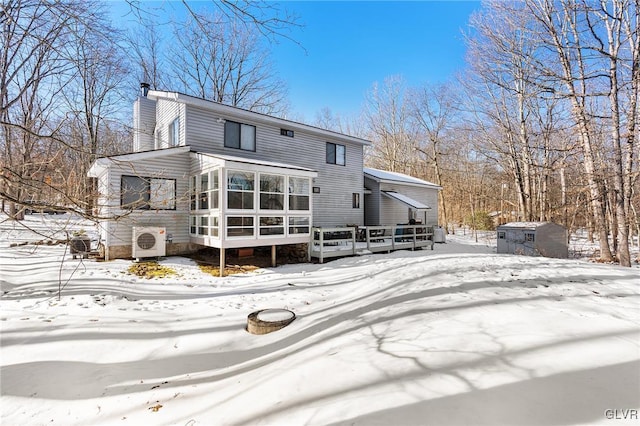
[237, 202]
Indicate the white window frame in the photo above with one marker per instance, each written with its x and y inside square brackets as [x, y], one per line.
[271, 194]
[240, 190]
[174, 132]
[291, 193]
[242, 226]
[281, 225]
[295, 225]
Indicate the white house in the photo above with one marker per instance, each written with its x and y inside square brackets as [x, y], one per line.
[206, 174]
[393, 198]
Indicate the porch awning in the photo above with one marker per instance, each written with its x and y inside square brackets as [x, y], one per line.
[406, 200]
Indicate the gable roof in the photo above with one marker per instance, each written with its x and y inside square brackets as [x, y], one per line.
[384, 176]
[252, 115]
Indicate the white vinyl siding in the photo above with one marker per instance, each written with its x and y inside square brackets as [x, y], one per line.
[174, 167]
[393, 212]
[168, 112]
[333, 205]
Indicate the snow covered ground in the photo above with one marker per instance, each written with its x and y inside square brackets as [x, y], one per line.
[457, 335]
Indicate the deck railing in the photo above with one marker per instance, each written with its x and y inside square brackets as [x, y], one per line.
[349, 241]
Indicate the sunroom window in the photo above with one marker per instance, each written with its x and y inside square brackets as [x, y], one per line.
[271, 192]
[298, 193]
[271, 225]
[204, 191]
[240, 226]
[240, 189]
[203, 202]
[214, 189]
[203, 225]
[193, 194]
[298, 225]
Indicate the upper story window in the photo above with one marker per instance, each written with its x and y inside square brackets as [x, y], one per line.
[239, 136]
[286, 132]
[143, 193]
[174, 132]
[336, 154]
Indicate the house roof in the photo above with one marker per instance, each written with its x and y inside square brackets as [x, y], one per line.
[393, 177]
[245, 160]
[252, 115]
[406, 200]
[98, 166]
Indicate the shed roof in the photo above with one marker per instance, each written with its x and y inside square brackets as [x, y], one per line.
[527, 225]
[393, 177]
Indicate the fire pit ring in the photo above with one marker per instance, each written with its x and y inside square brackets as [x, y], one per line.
[269, 320]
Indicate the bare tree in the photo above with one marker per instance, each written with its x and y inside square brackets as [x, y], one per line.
[53, 79]
[388, 116]
[34, 34]
[587, 39]
[225, 62]
[434, 110]
[145, 44]
[93, 93]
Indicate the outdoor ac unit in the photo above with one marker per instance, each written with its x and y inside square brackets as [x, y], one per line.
[149, 241]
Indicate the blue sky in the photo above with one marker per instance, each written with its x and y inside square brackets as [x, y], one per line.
[349, 45]
[352, 44]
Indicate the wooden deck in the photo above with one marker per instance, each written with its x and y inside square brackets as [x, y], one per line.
[351, 241]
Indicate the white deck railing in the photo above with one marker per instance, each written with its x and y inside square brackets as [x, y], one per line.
[337, 242]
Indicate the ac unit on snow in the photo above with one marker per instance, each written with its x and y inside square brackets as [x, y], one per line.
[149, 241]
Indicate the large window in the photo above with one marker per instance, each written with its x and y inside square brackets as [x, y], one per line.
[298, 225]
[240, 188]
[205, 191]
[239, 136]
[174, 132]
[271, 192]
[298, 193]
[271, 225]
[144, 193]
[203, 225]
[193, 194]
[336, 154]
[240, 226]
[203, 199]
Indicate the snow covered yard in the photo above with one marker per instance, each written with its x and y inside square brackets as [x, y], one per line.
[458, 335]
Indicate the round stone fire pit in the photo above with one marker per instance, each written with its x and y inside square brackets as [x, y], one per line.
[268, 320]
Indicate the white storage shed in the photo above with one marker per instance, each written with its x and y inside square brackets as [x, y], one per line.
[533, 239]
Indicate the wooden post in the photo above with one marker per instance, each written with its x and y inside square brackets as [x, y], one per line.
[273, 256]
[222, 261]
